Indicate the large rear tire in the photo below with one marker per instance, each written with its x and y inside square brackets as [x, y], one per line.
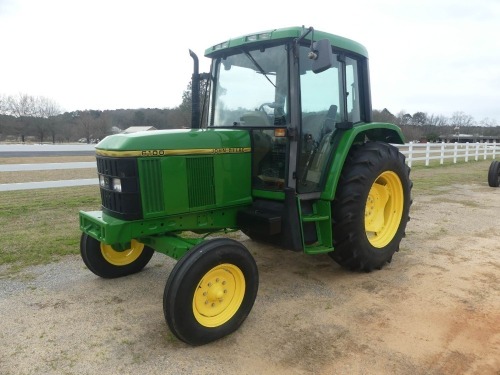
[210, 291]
[371, 207]
[494, 174]
[108, 263]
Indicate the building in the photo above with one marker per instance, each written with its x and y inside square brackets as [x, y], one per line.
[468, 138]
[135, 129]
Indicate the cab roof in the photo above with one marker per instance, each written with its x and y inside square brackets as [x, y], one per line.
[283, 34]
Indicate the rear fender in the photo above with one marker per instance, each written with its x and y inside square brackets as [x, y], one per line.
[374, 131]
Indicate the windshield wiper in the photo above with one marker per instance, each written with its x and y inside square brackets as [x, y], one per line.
[258, 66]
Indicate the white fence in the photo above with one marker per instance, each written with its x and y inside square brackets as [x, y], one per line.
[425, 152]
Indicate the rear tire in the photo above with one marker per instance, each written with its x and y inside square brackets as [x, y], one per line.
[105, 262]
[494, 174]
[210, 291]
[371, 207]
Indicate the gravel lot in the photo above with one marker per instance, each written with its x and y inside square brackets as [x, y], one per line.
[434, 310]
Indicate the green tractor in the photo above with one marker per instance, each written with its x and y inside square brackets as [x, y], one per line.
[283, 148]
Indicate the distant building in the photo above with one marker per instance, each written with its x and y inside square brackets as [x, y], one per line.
[135, 129]
[468, 138]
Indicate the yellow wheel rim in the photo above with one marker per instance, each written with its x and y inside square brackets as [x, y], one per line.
[384, 209]
[219, 295]
[122, 258]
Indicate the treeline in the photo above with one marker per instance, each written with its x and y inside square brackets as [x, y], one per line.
[26, 118]
[424, 127]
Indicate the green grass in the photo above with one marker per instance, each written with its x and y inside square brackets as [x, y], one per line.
[48, 175]
[435, 179]
[41, 226]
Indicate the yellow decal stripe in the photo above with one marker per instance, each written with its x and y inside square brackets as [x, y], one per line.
[196, 151]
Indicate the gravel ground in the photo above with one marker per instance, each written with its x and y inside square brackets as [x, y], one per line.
[434, 310]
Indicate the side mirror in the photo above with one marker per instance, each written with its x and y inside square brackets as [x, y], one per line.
[322, 56]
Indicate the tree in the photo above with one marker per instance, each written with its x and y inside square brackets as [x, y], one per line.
[90, 127]
[488, 122]
[23, 108]
[185, 107]
[461, 119]
[3, 105]
[403, 119]
[383, 116]
[46, 112]
[437, 120]
[3, 115]
[419, 118]
[139, 118]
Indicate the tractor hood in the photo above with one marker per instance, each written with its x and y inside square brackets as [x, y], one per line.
[175, 142]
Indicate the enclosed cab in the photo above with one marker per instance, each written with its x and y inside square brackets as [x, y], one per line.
[282, 148]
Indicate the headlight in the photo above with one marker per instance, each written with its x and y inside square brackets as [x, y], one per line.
[117, 185]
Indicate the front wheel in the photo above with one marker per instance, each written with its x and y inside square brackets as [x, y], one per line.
[108, 263]
[210, 291]
[371, 206]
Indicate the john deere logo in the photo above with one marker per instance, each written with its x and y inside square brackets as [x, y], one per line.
[159, 153]
[231, 150]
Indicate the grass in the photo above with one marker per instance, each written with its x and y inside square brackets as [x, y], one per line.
[434, 179]
[48, 175]
[41, 226]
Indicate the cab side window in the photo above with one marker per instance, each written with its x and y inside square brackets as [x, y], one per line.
[322, 105]
[352, 90]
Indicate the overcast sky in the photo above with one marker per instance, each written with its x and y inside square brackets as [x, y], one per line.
[435, 56]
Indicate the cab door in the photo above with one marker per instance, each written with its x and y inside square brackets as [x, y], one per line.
[322, 108]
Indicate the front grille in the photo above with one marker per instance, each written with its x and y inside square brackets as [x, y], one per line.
[124, 204]
[200, 180]
[153, 201]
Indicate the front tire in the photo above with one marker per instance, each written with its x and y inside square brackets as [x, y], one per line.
[105, 262]
[371, 207]
[494, 174]
[210, 291]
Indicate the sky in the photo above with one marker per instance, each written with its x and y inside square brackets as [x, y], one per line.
[433, 56]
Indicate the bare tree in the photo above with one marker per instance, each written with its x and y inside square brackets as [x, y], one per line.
[23, 107]
[461, 119]
[47, 110]
[419, 118]
[3, 105]
[383, 116]
[100, 128]
[488, 122]
[437, 120]
[403, 118]
[3, 111]
[92, 125]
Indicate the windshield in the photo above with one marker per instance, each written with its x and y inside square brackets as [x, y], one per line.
[250, 88]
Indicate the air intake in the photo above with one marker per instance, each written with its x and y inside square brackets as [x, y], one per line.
[200, 181]
[152, 186]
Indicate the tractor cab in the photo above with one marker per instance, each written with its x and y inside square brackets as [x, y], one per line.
[291, 95]
[295, 97]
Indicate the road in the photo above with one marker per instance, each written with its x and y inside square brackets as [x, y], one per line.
[16, 150]
[46, 150]
[45, 166]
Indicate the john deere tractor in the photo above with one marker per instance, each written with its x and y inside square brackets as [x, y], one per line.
[283, 148]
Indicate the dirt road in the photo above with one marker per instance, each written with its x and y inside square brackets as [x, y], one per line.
[434, 310]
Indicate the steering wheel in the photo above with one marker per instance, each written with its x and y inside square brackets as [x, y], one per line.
[272, 105]
[279, 112]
